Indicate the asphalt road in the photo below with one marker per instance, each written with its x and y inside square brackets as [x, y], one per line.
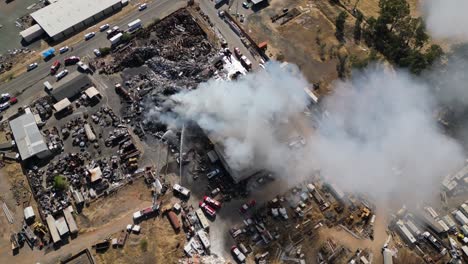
[35, 78]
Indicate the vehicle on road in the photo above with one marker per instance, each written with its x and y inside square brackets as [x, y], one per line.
[221, 13]
[97, 53]
[213, 173]
[212, 202]
[142, 7]
[49, 53]
[238, 254]
[247, 206]
[83, 66]
[71, 60]
[89, 35]
[61, 74]
[64, 49]
[32, 66]
[4, 97]
[54, 67]
[237, 52]
[4, 106]
[208, 209]
[134, 25]
[13, 100]
[104, 27]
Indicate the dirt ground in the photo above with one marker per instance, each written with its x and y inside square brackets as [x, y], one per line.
[307, 40]
[112, 207]
[163, 245]
[371, 7]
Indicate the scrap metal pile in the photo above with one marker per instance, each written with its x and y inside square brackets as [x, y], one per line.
[164, 58]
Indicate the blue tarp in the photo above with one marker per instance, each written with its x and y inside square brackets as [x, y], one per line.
[48, 53]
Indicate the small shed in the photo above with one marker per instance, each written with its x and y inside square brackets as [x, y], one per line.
[91, 92]
[96, 174]
[29, 213]
[62, 105]
[32, 33]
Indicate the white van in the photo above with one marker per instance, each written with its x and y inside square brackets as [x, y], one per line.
[48, 86]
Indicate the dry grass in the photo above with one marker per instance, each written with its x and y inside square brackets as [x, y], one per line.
[163, 245]
[371, 7]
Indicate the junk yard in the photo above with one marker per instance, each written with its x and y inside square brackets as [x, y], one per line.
[211, 132]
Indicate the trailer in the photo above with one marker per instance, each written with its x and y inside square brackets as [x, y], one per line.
[202, 219]
[116, 39]
[70, 220]
[89, 133]
[204, 239]
[53, 229]
[134, 25]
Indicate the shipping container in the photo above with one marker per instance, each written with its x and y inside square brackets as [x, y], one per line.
[70, 220]
[202, 219]
[53, 229]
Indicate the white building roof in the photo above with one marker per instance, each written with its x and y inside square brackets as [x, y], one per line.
[61, 226]
[32, 30]
[64, 103]
[27, 136]
[59, 16]
[28, 212]
[91, 92]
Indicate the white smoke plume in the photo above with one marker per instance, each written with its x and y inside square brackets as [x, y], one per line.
[378, 137]
[446, 18]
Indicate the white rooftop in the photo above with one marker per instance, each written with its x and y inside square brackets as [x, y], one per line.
[63, 14]
[27, 136]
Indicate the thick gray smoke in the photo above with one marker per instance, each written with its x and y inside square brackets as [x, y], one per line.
[446, 18]
[378, 135]
[245, 115]
[381, 136]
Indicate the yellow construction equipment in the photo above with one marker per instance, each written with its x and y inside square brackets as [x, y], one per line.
[39, 228]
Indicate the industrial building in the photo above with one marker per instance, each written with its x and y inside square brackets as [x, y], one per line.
[405, 233]
[28, 138]
[32, 33]
[71, 86]
[67, 17]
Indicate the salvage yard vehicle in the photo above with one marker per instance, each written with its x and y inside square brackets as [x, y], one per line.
[237, 52]
[213, 173]
[184, 192]
[238, 254]
[207, 209]
[212, 202]
[247, 206]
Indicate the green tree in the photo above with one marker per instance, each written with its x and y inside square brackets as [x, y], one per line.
[433, 53]
[126, 37]
[60, 182]
[357, 26]
[105, 51]
[342, 66]
[392, 12]
[340, 23]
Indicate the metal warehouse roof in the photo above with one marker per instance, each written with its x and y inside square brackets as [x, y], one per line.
[64, 14]
[29, 139]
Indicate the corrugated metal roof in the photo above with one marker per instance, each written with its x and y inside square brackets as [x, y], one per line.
[61, 226]
[28, 138]
[64, 14]
[64, 103]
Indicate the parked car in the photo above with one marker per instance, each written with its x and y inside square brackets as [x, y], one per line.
[4, 106]
[61, 74]
[55, 66]
[97, 52]
[13, 100]
[64, 49]
[213, 173]
[32, 66]
[89, 35]
[212, 202]
[4, 97]
[142, 7]
[247, 206]
[238, 254]
[104, 27]
[71, 60]
[245, 5]
[237, 52]
[208, 210]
